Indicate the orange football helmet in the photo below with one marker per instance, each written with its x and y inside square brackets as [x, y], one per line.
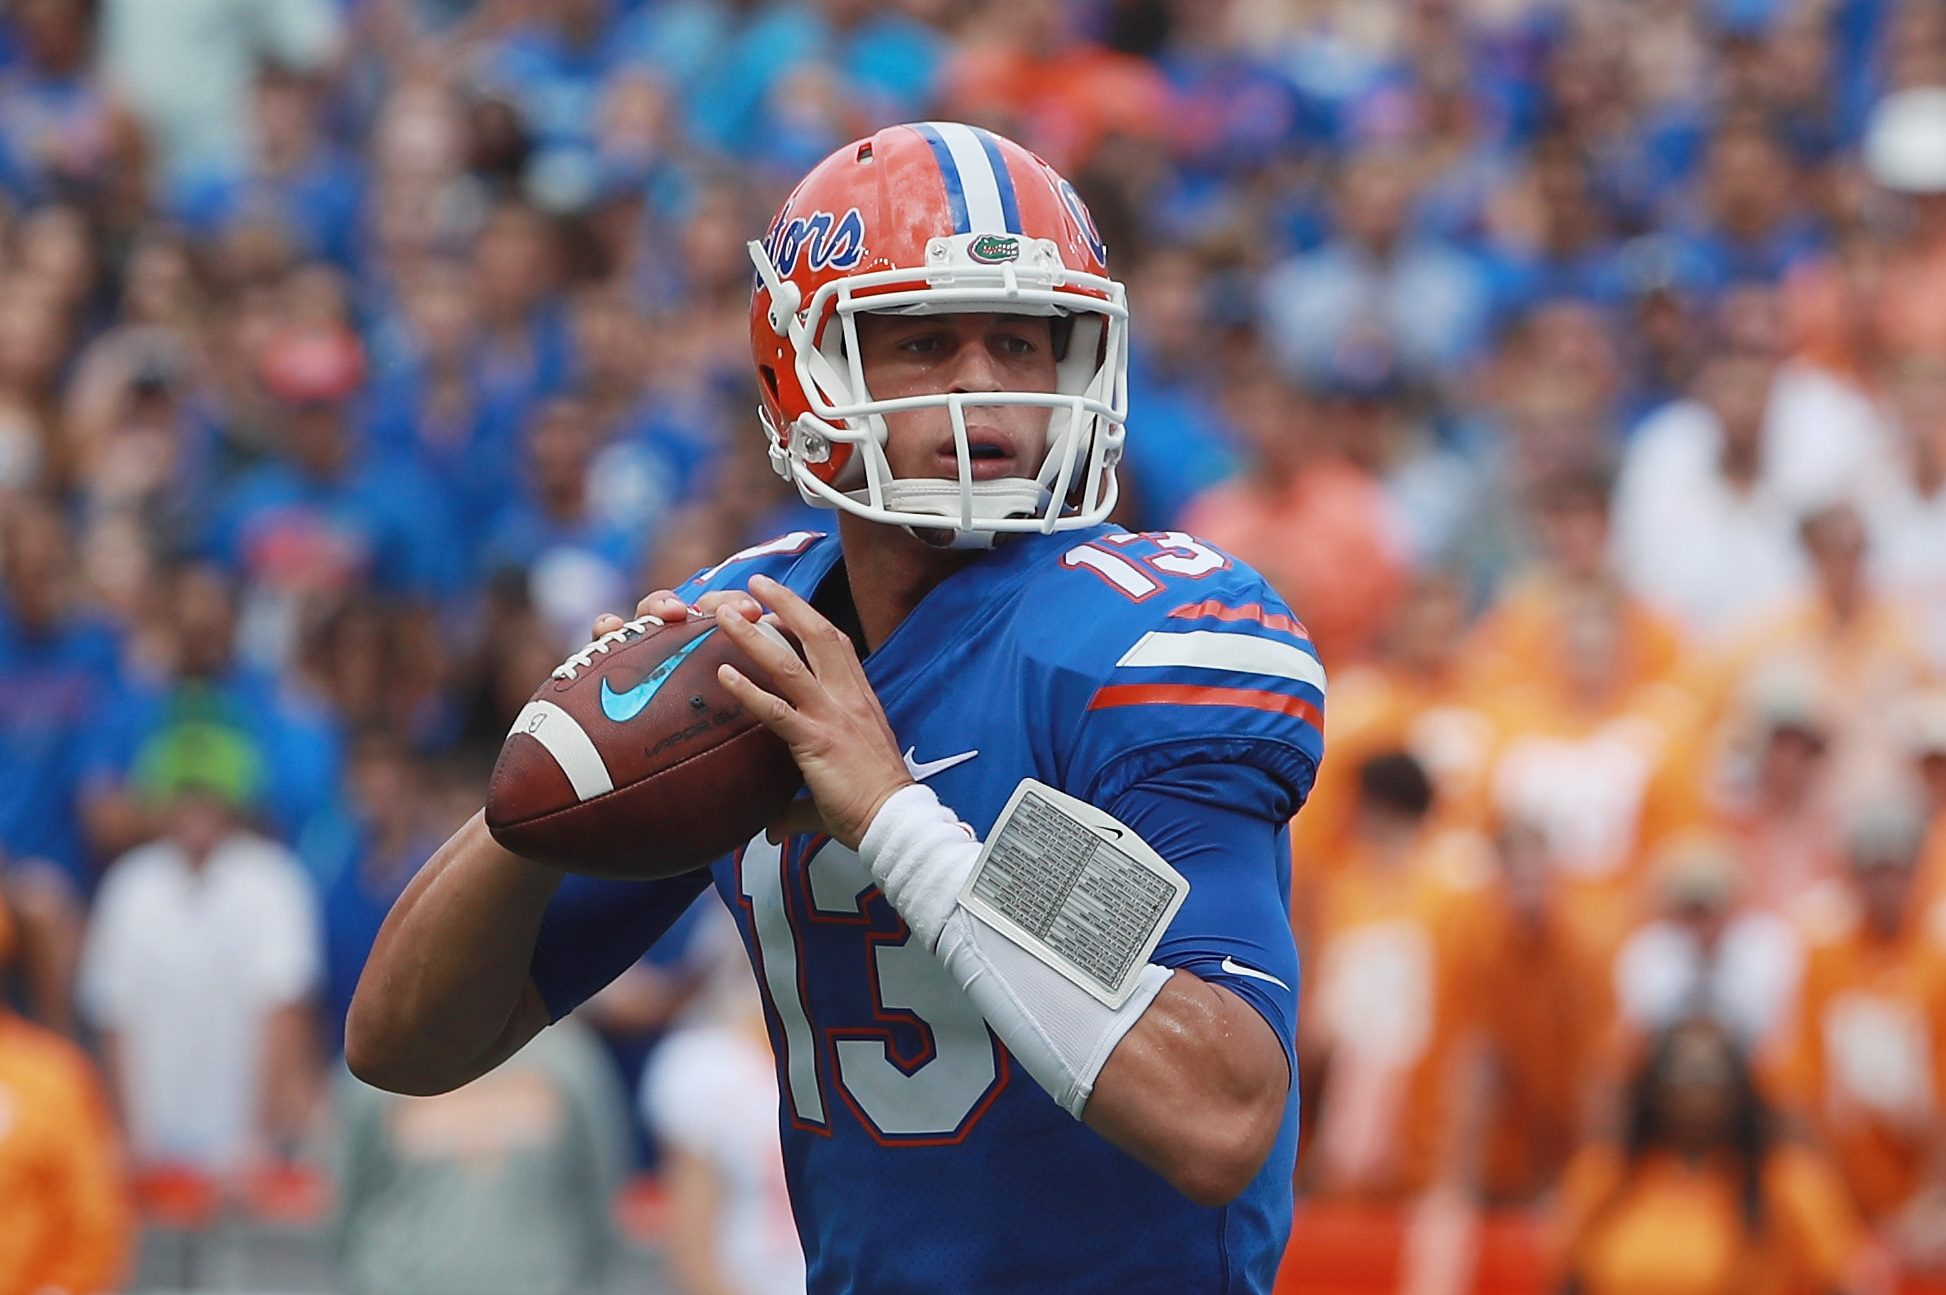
[937, 218]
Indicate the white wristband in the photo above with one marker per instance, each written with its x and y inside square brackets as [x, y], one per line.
[921, 855]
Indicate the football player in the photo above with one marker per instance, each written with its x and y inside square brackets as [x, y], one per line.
[1024, 950]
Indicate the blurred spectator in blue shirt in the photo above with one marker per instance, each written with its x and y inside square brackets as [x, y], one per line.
[523, 351]
[60, 686]
[1552, 237]
[1752, 224]
[550, 69]
[62, 135]
[1230, 112]
[297, 183]
[730, 66]
[656, 445]
[576, 562]
[35, 332]
[361, 856]
[186, 68]
[295, 740]
[1459, 146]
[1179, 443]
[429, 408]
[1428, 304]
[326, 519]
[1637, 154]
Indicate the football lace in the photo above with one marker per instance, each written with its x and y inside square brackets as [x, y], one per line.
[581, 660]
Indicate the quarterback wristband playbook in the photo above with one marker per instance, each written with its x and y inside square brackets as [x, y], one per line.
[1048, 925]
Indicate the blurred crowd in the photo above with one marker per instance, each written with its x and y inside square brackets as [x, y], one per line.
[1575, 368]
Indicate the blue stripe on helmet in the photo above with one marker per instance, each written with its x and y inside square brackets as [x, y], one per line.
[1009, 205]
[949, 171]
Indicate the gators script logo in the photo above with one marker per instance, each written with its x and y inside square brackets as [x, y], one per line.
[824, 240]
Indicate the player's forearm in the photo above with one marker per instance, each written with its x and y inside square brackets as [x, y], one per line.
[445, 995]
[1195, 1090]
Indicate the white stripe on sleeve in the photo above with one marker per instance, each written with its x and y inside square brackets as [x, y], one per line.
[1235, 653]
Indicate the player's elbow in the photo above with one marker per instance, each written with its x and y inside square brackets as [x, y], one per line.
[1225, 1152]
[379, 1051]
[369, 1054]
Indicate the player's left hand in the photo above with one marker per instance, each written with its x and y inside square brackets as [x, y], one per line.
[823, 708]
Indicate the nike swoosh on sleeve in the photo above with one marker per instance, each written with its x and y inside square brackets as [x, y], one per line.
[1235, 968]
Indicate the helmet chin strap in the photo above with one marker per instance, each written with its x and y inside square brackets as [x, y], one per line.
[1003, 497]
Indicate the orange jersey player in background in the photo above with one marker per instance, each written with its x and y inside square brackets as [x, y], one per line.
[66, 1222]
[1869, 1067]
[1382, 1011]
[1700, 1196]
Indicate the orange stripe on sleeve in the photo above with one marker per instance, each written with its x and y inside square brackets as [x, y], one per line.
[1180, 694]
[1248, 612]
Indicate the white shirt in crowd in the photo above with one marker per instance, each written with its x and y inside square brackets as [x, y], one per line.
[1747, 983]
[1711, 555]
[185, 965]
[1908, 551]
[711, 1090]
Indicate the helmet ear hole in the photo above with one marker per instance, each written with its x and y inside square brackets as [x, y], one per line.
[770, 380]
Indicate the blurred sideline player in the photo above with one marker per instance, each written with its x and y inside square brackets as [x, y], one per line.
[942, 359]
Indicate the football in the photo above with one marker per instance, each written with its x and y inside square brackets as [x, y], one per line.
[632, 761]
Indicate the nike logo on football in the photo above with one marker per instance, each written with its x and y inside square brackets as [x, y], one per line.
[922, 770]
[625, 706]
[1235, 968]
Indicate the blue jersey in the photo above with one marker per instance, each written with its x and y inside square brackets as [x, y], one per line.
[1154, 677]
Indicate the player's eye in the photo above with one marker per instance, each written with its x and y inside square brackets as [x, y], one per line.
[1015, 344]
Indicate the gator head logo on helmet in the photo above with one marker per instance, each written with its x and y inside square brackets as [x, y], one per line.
[937, 218]
[992, 249]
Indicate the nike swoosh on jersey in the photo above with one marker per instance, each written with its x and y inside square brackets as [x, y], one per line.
[1235, 968]
[625, 706]
[922, 770]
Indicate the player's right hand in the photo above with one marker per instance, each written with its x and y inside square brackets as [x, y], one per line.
[664, 605]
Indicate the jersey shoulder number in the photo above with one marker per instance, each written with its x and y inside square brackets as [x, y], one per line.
[1185, 647]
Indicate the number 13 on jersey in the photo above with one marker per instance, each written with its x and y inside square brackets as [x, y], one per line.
[927, 1097]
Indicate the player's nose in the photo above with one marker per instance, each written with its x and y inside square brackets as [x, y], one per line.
[975, 368]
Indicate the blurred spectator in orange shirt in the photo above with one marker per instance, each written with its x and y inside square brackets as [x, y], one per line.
[1543, 1005]
[1319, 529]
[1023, 71]
[1923, 721]
[1522, 637]
[1520, 1084]
[1700, 1197]
[1596, 759]
[1710, 954]
[1856, 642]
[1772, 796]
[1869, 1066]
[1383, 1015]
[1406, 697]
[65, 1220]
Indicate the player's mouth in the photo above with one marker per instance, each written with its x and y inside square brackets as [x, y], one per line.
[992, 454]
